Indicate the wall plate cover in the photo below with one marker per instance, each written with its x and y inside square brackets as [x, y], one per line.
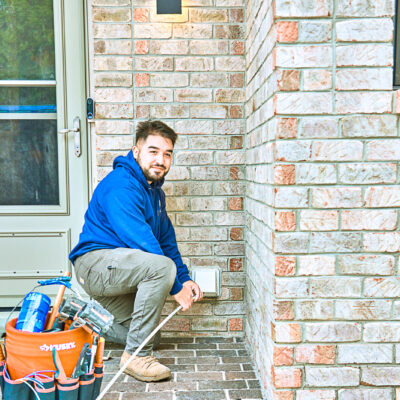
[209, 279]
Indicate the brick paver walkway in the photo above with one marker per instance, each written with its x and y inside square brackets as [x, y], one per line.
[202, 368]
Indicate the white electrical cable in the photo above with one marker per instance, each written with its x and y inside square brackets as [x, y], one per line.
[116, 376]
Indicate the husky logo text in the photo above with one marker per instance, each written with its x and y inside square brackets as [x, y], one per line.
[58, 347]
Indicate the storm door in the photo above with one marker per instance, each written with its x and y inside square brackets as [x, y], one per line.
[43, 151]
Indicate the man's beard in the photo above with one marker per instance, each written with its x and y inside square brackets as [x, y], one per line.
[151, 175]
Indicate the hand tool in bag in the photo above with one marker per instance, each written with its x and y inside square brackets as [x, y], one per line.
[83, 362]
[87, 314]
[57, 302]
[2, 351]
[60, 373]
[100, 352]
[94, 350]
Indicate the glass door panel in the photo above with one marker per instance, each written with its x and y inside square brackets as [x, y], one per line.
[32, 154]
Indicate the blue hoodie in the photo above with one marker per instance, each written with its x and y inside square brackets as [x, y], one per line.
[125, 211]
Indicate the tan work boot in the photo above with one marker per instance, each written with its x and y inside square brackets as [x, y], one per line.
[146, 369]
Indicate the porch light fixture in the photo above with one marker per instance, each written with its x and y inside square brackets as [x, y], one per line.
[169, 6]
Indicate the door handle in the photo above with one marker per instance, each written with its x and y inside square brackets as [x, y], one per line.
[77, 135]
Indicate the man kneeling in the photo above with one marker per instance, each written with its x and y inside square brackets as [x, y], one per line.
[127, 256]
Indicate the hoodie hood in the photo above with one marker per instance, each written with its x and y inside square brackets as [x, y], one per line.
[132, 165]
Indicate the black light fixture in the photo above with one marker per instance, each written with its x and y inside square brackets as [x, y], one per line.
[169, 6]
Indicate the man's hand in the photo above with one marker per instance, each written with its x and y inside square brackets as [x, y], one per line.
[185, 296]
[195, 288]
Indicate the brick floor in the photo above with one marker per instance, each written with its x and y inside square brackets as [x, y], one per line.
[202, 368]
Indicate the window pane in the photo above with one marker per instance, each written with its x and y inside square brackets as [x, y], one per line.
[26, 40]
[28, 162]
[28, 99]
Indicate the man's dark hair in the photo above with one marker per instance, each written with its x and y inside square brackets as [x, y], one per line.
[147, 128]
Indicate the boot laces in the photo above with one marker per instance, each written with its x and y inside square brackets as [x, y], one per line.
[149, 361]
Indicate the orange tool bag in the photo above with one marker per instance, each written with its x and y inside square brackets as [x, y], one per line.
[38, 365]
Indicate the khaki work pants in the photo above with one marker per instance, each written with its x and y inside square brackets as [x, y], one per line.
[133, 286]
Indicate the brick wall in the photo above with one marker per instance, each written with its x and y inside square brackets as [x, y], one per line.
[260, 89]
[322, 200]
[187, 70]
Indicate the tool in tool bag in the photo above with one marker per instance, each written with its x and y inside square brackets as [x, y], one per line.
[82, 363]
[60, 373]
[90, 315]
[57, 302]
[94, 350]
[2, 352]
[100, 352]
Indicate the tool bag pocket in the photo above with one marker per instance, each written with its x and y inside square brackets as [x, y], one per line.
[68, 389]
[98, 378]
[86, 386]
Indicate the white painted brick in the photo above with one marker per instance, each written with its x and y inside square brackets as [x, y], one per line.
[209, 79]
[382, 287]
[292, 151]
[298, 8]
[193, 95]
[230, 157]
[207, 234]
[363, 309]
[367, 173]
[196, 127]
[364, 220]
[205, 204]
[364, 79]
[365, 8]
[332, 376]
[291, 287]
[316, 265]
[332, 332]
[314, 309]
[335, 242]
[380, 376]
[169, 47]
[365, 30]
[388, 242]
[316, 220]
[369, 126]
[193, 158]
[364, 55]
[233, 63]
[291, 197]
[365, 353]
[334, 287]
[316, 174]
[303, 103]
[338, 150]
[303, 56]
[169, 80]
[336, 197]
[152, 31]
[382, 196]
[363, 102]
[313, 394]
[209, 111]
[317, 79]
[382, 332]
[194, 64]
[383, 149]
[287, 243]
[366, 265]
[365, 394]
[318, 128]
[317, 32]
[153, 95]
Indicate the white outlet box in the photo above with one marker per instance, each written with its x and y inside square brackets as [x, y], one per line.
[209, 280]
